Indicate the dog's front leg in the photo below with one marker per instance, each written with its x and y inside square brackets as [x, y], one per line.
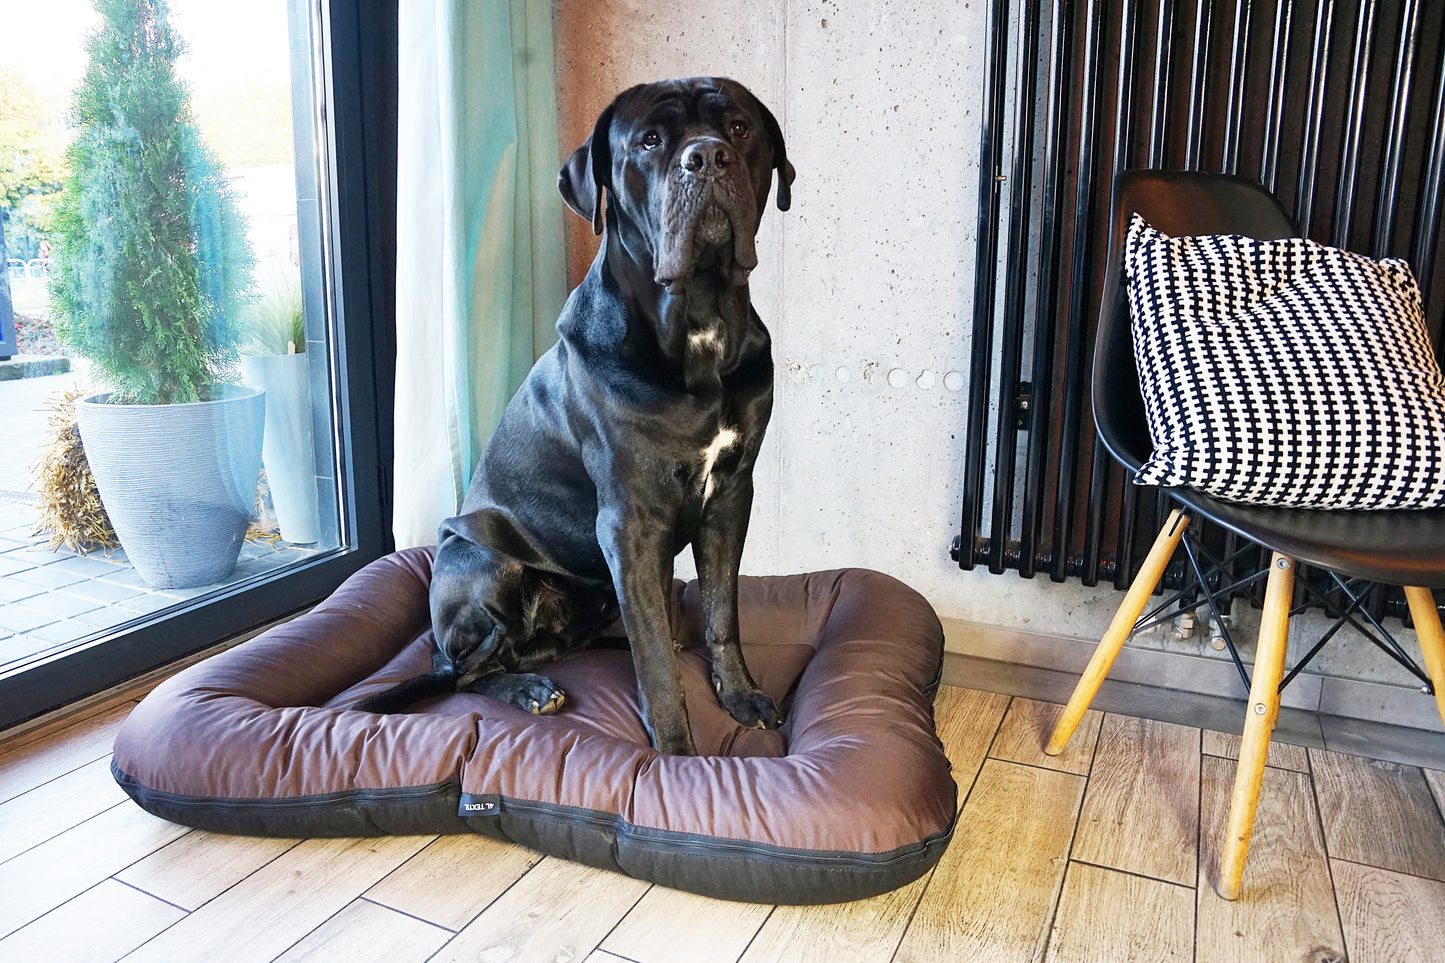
[717, 551]
[639, 558]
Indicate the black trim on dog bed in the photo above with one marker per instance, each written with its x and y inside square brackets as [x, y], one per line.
[755, 872]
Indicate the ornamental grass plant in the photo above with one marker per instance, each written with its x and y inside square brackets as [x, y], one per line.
[275, 322]
[70, 512]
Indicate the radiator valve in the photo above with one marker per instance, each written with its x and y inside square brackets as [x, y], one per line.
[1218, 633]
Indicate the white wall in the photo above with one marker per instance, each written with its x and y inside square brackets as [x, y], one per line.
[868, 278]
[870, 273]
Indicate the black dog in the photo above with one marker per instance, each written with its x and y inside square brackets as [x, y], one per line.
[636, 434]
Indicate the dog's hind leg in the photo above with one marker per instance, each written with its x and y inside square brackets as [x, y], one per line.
[477, 612]
[491, 668]
[496, 621]
[557, 620]
[486, 662]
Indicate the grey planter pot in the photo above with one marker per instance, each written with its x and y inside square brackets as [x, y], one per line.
[288, 452]
[178, 481]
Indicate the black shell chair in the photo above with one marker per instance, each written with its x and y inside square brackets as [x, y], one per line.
[1396, 547]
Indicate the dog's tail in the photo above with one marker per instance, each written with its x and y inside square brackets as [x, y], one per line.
[403, 694]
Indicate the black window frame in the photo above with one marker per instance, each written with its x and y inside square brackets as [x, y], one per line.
[359, 63]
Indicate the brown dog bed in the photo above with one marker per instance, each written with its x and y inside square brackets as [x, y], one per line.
[852, 797]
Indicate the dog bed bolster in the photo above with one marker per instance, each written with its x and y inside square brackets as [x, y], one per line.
[850, 798]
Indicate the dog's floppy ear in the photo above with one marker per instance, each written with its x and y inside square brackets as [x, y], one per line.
[780, 158]
[588, 171]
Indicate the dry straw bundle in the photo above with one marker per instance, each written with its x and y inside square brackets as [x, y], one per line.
[70, 508]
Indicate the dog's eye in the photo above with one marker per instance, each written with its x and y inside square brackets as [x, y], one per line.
[739, 129]
[650, 140]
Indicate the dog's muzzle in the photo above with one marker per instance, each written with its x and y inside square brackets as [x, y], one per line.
[707, 202]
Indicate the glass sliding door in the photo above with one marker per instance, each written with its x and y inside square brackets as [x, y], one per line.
[190, 417]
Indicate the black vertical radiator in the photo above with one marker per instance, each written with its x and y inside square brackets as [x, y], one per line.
[1338, 106]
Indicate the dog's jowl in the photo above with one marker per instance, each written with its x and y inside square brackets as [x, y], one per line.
[636, 434]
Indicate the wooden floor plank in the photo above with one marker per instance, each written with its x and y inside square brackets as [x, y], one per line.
[561, 910]
[1282, 755]
[967, 721]
[1286, 911]
[1141, 811]
[441, 884]
[1379, 814]
[365, 932]
[102, 924]
[200, 866]
[668, 925]
[264, 914]
[602, 956]
[1436, 781]
[1026, 729]
[53, 807]
[1148, 919]
[864, 931]
[1390, 917]
[992, 896]
[33, 761]
[40, 879]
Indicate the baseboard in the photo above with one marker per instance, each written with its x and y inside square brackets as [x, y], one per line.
[127, 691]
[1347, 698]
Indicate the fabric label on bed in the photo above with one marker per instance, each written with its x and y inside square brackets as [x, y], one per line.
[479, 805]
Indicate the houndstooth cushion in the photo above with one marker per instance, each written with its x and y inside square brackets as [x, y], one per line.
[1284, 372]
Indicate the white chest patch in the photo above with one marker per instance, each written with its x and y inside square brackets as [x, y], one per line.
[725, 439]
[705, 340]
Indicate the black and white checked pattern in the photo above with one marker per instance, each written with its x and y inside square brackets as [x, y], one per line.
[1285, 372]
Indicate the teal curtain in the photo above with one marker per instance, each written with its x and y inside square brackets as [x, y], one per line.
[481, 271]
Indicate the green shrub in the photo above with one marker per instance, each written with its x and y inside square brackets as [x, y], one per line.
[151, 263]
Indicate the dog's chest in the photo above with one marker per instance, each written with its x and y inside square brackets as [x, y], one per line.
[704, 350]
[725, 440]
[703, 355]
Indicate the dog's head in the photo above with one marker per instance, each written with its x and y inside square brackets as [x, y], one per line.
[688, 164]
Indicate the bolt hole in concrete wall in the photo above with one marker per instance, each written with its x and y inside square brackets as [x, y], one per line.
[866, 284]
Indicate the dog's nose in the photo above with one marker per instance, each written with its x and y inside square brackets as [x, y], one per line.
[705, 157]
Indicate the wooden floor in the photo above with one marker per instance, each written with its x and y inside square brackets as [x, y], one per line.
[1104, 853]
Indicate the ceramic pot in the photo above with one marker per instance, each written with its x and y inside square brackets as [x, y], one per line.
[178, 481]
[289, 453]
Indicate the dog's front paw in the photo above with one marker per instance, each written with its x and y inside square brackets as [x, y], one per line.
[750, 707]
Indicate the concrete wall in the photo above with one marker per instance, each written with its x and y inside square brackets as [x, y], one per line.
[867, 287]
[866, 284]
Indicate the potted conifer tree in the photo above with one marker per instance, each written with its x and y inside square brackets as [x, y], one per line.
[150, 271]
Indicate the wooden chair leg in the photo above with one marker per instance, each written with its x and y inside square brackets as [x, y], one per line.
[1432, 639]
[1119, 630]
[1259, 722]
